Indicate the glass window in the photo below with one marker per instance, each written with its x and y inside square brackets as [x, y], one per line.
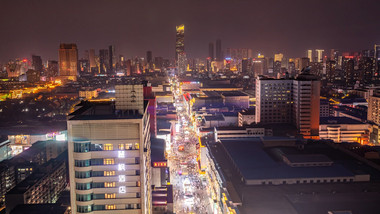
[85, 174]
[128, 146]
[97, 185]
[121, 146]
[82, 163]
[82, 147]
[96, 147]
[99, 207]
[110, 195]
[109, 161]
[137, 146]
[110, 206]
[84, 209]
[96, 161]
[85, 197]
[109, 173]
[108, 146]
[83, 186]
[109, 184]
[98, 196]
[97, 173]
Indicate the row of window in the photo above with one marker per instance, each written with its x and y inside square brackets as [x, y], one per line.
[88, 174]
[312, 181]
[87, 147]
[90, 208]
[99, 161]
[87, 186]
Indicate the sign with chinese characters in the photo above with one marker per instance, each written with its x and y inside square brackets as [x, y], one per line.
[121, 167]
[121, 154]
[121, 178]
[122, 189]
[160, 164]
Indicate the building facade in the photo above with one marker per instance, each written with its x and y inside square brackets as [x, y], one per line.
[68, 60]
[109, 159]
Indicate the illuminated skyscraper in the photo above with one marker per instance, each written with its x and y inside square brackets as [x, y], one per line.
[91, 58]
[278, 57]
[180, 41]
[310, 55]
[319, 55]
[219, 54]
[68, 60]
[104, 61]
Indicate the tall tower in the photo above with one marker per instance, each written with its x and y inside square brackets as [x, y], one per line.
[211, 51]
[180, 41]
[219, 55]
[111, 59]
[319, 55]
[310, 55]
[68, 60]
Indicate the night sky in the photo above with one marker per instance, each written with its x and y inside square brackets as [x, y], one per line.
[287, 26]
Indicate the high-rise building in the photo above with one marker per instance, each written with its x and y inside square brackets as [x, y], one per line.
[104, 61]
[310, 55]
[111, 59]
[377, 52]
[218, 51]
[306, 101]
[91, 58]
[182, 62]
[292, 101]
[52, 68]
[149, 57]
[180, 40]
[211, 51]
[109, 155]
[37, 63]
[273, 100]
[68, 60]
[319, 55]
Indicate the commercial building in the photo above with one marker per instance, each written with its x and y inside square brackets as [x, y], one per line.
[374, 117]
[109, 155]
[343, 129]
[43, 186]
[68, 61]
[266, 175]
[295, 101]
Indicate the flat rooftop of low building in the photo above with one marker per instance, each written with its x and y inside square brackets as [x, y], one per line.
[338, 120]
[214, 118]
[233, 94]
[157, 148]
[103, 111]
[254, 163]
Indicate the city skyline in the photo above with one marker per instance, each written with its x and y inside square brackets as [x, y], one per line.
[290, 28]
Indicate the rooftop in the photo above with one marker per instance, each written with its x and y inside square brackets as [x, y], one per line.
[103, 111]
[255, 163]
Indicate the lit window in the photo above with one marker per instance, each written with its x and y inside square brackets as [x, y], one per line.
[110, 207]
[137, 146]
[109, 184]
[108, 161]
[109, 173]
[121, 146]
[110, 195]
[108, 146]
[128, 146]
